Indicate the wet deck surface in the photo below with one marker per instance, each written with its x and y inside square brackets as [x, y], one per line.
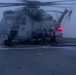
[40, 60]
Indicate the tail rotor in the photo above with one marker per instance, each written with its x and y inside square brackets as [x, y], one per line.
[68, 17]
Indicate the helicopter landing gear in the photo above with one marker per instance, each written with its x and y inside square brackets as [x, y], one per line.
[8, 42]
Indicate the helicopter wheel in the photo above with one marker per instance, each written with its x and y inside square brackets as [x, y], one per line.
[8, 43]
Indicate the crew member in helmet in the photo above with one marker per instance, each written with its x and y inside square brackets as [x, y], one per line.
[36, 37]
[53, 37]
[44, 35]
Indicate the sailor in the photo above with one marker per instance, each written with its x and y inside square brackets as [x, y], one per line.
[36, 37]
[53, 37]
[44, 35]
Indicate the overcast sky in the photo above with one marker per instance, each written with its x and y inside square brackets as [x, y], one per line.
[69, 29]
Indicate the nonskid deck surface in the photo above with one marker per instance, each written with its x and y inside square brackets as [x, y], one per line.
[38, 60]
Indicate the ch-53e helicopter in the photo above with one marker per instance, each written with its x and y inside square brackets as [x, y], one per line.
[20, 24]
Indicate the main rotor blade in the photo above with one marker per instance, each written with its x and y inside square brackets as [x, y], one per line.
[46, 2]
[9, 5]
[41, 4]
[22, 0]
[58, 6]
[12, 3]
[53, 11]
[36, 4]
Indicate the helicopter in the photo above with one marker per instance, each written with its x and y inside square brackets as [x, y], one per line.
[21, 24]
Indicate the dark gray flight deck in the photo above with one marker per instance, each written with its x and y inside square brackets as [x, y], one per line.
[44, 60]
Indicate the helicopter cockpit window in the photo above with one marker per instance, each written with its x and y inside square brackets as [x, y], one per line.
[23, 21]
[8, 12]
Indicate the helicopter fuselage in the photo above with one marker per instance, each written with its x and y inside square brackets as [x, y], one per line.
[21, 26]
